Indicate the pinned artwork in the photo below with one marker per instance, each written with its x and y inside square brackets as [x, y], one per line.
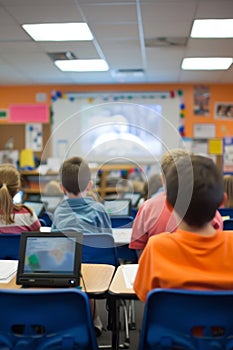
[34, 136]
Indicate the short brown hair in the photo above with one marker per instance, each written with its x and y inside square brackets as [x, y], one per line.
[75, 175]
[195, 189]
[170, 157]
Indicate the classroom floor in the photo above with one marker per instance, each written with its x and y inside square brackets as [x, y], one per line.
[105, 338]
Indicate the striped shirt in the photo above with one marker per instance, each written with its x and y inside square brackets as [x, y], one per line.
[23, 221]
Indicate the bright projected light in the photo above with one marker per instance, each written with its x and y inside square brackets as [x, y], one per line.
[58, 31]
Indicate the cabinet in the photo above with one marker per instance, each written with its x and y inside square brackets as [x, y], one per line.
[34, 183]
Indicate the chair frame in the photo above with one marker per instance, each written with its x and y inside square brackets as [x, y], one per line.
[46, 319]
[187, 319]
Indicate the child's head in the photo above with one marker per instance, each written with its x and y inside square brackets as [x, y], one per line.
[195, 189]
[9, 186]
[75, 175]
[153, 184]
[228, 188]
[9, 179]
[53, 188]
[170, 157]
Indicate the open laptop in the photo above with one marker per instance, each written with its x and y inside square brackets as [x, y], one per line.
[37, 207]
[50, 259]
[134, 197]
[118, 207]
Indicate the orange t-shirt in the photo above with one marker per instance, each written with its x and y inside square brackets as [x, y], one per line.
[185, 260]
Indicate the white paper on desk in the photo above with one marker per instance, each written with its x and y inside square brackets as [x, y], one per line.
[8, 269]
[129, 273]
[122, 235]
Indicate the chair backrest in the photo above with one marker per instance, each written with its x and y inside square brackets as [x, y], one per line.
[99, 248]
[46, 319]
[190, 320]
[228, 224]
[9, 246]
[122, 221]
[226, 212]
[46, 218]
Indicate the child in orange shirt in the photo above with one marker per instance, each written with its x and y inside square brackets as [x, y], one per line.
[195, 256]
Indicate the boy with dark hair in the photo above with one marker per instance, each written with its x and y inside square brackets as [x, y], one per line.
[195, 256]
[79, 211]
[154, 216]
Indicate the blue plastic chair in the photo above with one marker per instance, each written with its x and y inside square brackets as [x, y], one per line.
[9, 246]
[190, 320]
[58, 319]
[99, 248]
[121, 221]
[226, 212]
[228, 224]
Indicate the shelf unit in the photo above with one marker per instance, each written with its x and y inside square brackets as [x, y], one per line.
[33, 183]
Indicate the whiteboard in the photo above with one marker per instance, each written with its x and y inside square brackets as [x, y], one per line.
[137, 131]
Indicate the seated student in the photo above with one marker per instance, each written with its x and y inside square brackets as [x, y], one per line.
[14, 218]
[154, 186]
[195, 256]
[228, 188]
[154, 216]
[79, 211]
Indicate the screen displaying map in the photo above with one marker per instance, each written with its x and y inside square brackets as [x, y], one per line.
[50, 255]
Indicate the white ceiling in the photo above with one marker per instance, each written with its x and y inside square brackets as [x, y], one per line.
[120, 29]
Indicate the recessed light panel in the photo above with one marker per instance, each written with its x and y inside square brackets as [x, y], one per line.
[58, 31]
[212, 28]
[206, 63]
[89, 65]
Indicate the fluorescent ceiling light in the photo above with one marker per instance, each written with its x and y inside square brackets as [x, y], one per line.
[89, 65]
[58, 31]
[206, 63]
[212, 28]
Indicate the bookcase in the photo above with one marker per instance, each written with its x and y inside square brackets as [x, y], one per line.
[33, 183]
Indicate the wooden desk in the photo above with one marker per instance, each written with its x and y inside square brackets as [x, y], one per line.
[97, 278]
[118, 286]
[118, 290]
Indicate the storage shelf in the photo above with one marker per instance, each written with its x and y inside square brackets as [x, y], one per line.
[36, 187]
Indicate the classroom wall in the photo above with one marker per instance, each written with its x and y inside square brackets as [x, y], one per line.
[218, 93]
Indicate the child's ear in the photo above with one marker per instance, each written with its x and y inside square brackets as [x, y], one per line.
[89, 185]
[63, 188]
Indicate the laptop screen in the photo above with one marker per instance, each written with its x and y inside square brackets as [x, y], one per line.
[118, 207]
[134, 197]
[37, 207]
[18, 198]
[50, 259]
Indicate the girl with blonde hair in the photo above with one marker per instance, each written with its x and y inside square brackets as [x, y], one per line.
[14, 218]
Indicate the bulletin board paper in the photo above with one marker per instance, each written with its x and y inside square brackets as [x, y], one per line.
[204, 131]
[34, 136]
[29, 113]
[215, 146]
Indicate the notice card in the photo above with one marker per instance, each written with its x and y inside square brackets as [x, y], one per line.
[29, 113]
